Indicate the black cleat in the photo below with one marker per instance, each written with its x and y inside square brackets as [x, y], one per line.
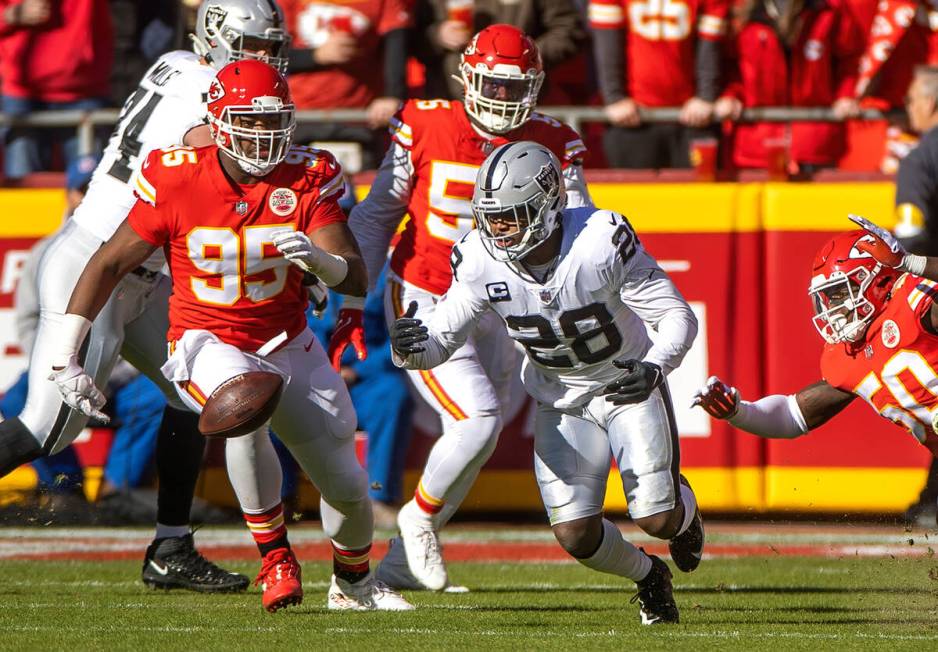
[687, 549]
[655, 595]
[174, 563]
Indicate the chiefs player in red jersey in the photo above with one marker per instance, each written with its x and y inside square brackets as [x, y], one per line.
[240, 222]
[875, 308]
[428, 172]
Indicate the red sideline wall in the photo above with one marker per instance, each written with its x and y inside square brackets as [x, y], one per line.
[740, 252]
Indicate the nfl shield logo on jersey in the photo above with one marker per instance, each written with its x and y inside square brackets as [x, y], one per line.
[241, 207]
[282, 201]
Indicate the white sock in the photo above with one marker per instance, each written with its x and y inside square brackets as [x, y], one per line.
[617, 556]
[168, 531]
[254, 470]
[690, 508]
[414, 512]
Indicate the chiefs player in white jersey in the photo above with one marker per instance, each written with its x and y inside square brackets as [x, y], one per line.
[577, 290]
[240, 222]
[428, 172]
[166, 109]
[875, 308]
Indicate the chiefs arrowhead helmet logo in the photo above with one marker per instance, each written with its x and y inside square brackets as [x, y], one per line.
[215, 91]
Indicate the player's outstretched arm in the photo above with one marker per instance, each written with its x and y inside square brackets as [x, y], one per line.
[124, 252]
[775, 416]
[887, 249]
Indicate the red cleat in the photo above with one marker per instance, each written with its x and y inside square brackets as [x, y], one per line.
[280, 580]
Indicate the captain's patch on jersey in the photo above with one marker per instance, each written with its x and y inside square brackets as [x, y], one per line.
[282, 201]
[498, 291]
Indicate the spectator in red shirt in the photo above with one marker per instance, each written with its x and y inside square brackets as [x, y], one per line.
[656, 54]
[53, 55]
[349, 54]
[444, 28]
[799, 53]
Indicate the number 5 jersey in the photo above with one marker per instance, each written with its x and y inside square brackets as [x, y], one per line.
[429, 172]
[592, 309]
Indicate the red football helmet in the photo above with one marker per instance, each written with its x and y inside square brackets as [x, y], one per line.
[502, 73]
[251, 115]
[848, 288]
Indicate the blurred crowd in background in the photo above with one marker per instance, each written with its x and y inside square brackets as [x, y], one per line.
[709, 59]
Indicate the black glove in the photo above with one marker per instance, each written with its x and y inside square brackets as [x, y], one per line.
[407, 333]
[636, 385]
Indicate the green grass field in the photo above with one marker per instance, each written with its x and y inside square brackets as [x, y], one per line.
[745, 603]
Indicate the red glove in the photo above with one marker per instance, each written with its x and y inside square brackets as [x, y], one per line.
[718, 399]
[882, 245]
[349, 329]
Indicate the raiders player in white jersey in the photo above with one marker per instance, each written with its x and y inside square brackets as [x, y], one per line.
[167, 109]
[576, 288]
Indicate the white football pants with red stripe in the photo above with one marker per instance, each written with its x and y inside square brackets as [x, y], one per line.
[315, 419]
[465, 392]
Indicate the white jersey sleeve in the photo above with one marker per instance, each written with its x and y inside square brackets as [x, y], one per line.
[456, 314]
[578, 195]
[649, 292]
[375, 220]
[168, 102]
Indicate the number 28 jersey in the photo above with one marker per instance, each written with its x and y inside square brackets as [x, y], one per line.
[592, 309]
[167, 103]
[895, 368]
[228, 278]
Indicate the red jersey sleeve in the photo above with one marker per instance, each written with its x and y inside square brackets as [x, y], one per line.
[150, 223]
[606, 14]
[560, 138]
[401, 125]
[711, 24]
[395, 14]
[325, 181]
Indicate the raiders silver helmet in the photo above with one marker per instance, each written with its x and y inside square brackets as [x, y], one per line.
[231, 30]
[522, 184]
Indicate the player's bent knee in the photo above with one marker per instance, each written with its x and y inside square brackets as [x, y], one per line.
[580, 538]
[346, 488]
[241, 404]
[663, 525]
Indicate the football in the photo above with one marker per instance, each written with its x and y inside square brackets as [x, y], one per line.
[241, 405]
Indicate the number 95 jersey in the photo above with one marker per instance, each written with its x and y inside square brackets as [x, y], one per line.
[591, 310]
[228, 278]
[895, 367]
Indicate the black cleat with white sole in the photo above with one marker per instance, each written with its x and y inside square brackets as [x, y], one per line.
[655, 595]
[687, 548]
[174, 563]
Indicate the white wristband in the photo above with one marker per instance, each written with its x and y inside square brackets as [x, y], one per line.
[331, 269]
[913, 264]
[352, 303]
[71, 334]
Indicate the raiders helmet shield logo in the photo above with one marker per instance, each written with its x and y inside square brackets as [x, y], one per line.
[547, 179]
[498, 292]
[214, 18]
